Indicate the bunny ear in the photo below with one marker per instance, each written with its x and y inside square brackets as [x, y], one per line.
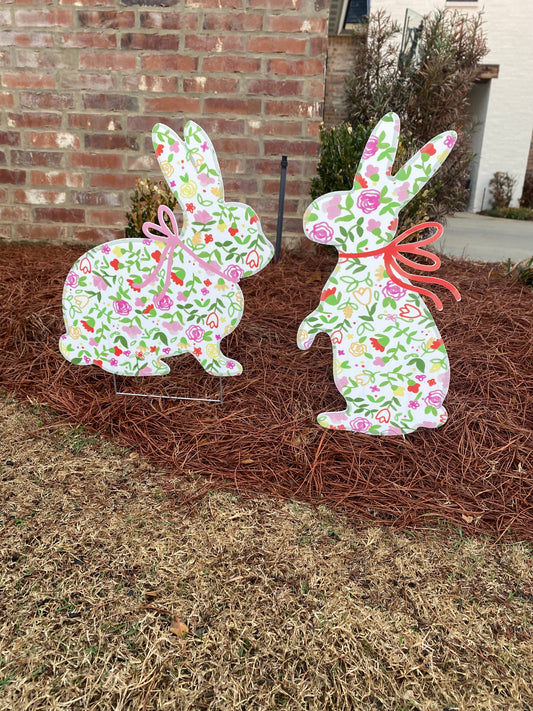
[381, 147]
[412, 177]
[171, 154]
[203, 158]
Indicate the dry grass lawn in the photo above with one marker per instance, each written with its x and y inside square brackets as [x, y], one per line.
[287, 607]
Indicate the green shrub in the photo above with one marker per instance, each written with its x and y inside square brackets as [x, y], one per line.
[341, 148]
[527, 192]
[523, 271]
[145, 201]
[511, 213]
[501, 186]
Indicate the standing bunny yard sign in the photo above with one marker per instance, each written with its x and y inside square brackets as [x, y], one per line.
[389, 360]
[131, 303]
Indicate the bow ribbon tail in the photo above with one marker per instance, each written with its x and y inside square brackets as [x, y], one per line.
[396, 273]
[170, 236]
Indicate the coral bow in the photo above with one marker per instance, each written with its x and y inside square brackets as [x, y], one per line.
[392, 254]
[171, 236]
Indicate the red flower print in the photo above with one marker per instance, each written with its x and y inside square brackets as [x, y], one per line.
[362, 182]
[117, 351]
[437, 343]
[207, 282]
[139, 354]
[152, 349]
[148, 308]
[208, 238]
[393, 225]
[197, 351]
[98, 363]
[377, 345]
[114, 264]
[253, 219]
[252, 259]
[87, 327]
[189, 207]
[133, 285]
[432, 381]
[327, 293]
[429, 148]
[156, 255]
[233, 231]
[175, 278]
[212, 320]
[159, 150]
[383, 416]
[414, 388]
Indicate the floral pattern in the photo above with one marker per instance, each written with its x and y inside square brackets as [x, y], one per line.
[389, 360]
[131, 303]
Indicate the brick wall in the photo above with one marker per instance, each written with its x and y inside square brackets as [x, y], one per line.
[83, 81]
[339, 66]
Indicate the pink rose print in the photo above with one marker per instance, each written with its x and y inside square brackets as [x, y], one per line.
[99, 283]
[121, 307]
[393, 291]
[371, 147]
[163, 302]
[322, 232]
[195, 333]
[402, 192]
[360, 424]
[203, 216]
[175, 327]
[72, 279]
[368, 201]
[371, 170]
[373, 225]
[131, 331]
[233, 272]
[435, 398]
[205, 180]
[332, 207]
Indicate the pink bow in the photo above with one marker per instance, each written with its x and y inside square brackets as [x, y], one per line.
[171, 236]
[392, 255]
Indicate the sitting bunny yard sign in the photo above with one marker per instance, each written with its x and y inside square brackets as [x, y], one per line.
[389, 360]
[131, 303]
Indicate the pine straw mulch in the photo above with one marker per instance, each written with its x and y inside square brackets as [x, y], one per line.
[287, 606]
[475, 471]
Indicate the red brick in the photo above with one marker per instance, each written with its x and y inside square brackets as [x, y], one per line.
[233, 22]
[96, 235]
[228, 63]
[115, 181]
[9, 138]
[293, 108]
[186, 105]
[142, 124]
[211, 85]
[96, 199]
[107, 217]
[6, 100]
[97, 82]
[110, 142]
[296, 5]
[293, 187]
[275, 87]
[233, 106]
[93, 122]
[317, 90]
[110, 102]
[155, 42]
[169, 21]
[296, 67]
[295, 24]
[240, 187]
[237, 146]
[45, 100]
[209, 43]
[275, 128]
[34, 159]
[272, 45]
[12, 177]
[148, 82]
[82, 40]
[100, 161]
[217, 125]
[295, 148]
[21, 39]
[318, 46]
[106, 19]
[55, 178]
[59, 214]
[144, 164]
[107, 60]
[15, 213]
[39, 58]
[232, 4]
[60, 139]
[40, 197]
[46, 233]
[33, 120]
[168, 62]
[2, 162]
[28, 80]
[43, 18]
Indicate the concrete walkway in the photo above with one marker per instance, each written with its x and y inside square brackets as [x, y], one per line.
[486, 239]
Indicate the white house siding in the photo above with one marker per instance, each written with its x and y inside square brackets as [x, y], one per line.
[504, 142]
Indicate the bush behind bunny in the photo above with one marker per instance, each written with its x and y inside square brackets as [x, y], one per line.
[129, 303]
[389, 360]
